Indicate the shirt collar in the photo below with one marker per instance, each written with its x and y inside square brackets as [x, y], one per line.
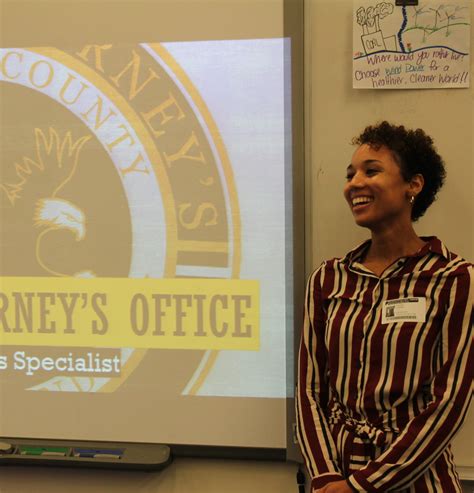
[357, 253]
[433, 244]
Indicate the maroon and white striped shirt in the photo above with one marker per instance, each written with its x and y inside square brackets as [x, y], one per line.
[378, 403]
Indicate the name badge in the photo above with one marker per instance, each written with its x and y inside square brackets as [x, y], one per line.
[404, 310]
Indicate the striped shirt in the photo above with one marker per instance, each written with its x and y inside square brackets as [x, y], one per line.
[381, 390]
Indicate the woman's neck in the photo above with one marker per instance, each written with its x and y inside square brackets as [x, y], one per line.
[390, 244]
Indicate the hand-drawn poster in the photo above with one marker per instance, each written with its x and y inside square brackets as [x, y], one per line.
[411, 47]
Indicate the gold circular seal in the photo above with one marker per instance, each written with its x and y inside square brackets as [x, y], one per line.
[112, 166]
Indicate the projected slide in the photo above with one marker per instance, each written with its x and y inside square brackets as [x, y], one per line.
[145, 195]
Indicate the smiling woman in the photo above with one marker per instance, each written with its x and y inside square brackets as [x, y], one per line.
[376, 190]
[386, 358]
[414, 153]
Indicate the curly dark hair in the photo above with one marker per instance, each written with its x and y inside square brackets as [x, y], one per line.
[415, 153]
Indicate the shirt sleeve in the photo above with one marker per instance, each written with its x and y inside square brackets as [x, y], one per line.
[428, 434]
[313, 432]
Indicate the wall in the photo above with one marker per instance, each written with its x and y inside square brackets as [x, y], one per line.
[184, 475]
[336, 112]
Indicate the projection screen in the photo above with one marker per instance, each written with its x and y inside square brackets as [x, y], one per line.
[146, 246]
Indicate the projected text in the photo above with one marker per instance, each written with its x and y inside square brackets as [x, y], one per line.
[148, 313]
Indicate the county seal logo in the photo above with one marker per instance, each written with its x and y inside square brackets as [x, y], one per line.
[112, 166]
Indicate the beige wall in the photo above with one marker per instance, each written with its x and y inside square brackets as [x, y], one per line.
[336, 112]
[183, 476]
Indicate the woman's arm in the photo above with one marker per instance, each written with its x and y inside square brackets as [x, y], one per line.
[428, 434]
[313, 431]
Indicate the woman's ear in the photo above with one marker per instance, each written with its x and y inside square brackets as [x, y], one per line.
[416, 184]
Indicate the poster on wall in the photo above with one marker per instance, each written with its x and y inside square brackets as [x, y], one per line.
[424, 46]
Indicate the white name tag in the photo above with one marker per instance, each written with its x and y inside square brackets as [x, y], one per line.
[404, 310]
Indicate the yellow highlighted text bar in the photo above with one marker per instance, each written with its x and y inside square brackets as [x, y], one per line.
[212, 314]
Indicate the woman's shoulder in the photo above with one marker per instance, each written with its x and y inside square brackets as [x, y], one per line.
[327, 265]
[450, 261]
[330, 270]
[352, 255]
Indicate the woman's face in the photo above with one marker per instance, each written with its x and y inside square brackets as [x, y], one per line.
[375, 190]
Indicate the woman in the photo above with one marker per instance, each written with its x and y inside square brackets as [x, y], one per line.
[386, 359]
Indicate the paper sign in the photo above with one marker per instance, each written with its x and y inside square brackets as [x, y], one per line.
[411, 47]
